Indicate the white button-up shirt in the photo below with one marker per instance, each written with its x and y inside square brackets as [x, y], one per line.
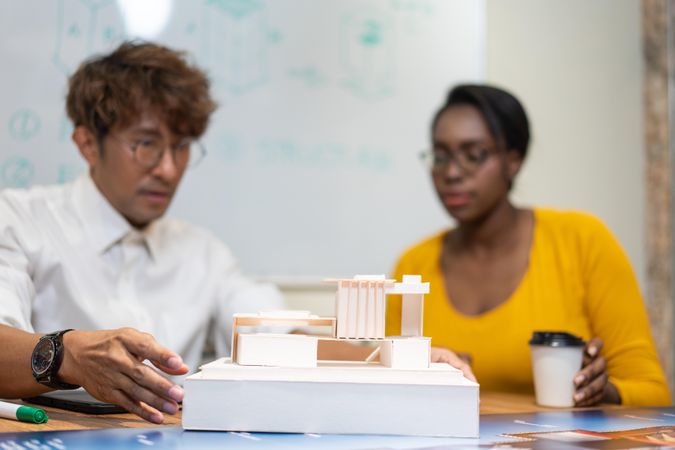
[68, 259]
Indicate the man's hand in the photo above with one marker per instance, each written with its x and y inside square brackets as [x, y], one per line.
[109, 365]
[592, 382]
[443, 355]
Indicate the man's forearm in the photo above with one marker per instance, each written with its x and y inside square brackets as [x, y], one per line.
[16, 377]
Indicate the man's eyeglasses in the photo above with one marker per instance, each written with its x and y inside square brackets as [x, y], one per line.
[148, 152]
[468, 159]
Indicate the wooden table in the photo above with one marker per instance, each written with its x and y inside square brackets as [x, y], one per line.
[490, 403]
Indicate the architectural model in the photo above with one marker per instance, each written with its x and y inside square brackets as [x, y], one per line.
[275, 382]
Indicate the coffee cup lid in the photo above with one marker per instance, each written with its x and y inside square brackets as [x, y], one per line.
[556, 339]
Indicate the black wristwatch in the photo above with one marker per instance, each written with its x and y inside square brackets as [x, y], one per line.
[46, 360]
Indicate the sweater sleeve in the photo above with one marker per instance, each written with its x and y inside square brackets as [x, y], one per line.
[617, 315]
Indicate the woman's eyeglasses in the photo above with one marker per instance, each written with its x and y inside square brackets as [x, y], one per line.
[468, 159]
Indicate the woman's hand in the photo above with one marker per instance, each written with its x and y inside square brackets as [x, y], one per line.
[592, 382]
[443, 355]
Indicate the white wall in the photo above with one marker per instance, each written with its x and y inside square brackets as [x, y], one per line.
[576, 65]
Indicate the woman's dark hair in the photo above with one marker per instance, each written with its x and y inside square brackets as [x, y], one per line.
[503, 113]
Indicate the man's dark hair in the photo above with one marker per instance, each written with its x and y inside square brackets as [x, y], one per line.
[113, 90]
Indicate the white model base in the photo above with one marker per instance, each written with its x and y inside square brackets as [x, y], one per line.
[333, 398]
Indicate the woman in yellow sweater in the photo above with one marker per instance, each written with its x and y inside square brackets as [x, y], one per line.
[504, 272]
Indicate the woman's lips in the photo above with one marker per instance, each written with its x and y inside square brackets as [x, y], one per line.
[456, 199]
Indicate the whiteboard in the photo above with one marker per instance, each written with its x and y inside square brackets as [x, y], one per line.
[312, 167]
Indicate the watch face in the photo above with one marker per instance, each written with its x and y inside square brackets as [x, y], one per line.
[43, 355]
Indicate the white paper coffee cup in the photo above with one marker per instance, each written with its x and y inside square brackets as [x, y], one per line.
[556, 359]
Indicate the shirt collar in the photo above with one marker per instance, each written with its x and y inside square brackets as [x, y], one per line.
[104, 225]
[152, 237]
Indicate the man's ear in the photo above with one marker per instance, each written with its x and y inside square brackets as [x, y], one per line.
[87, 144]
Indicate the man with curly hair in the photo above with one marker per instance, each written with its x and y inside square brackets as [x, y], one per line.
[94, 281]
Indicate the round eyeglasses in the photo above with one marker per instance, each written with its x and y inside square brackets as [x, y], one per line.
[148, 152]
[469, 160]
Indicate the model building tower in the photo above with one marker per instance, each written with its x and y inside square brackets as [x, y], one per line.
[360, 310]
[360, 305]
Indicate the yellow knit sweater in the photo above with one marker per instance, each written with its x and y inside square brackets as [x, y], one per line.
[578, 280]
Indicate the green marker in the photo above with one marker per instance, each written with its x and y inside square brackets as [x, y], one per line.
[22, 413]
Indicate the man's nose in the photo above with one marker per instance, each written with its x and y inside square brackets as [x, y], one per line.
[166, 168]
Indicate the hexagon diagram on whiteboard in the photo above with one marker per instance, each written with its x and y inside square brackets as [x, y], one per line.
[85, 27]
[236, 43]
[368, 54]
